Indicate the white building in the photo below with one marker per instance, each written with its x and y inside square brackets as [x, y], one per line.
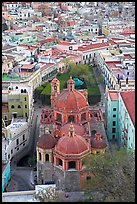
[15, 138]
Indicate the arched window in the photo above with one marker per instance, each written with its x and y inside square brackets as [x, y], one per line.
[46, 157]
[25, 98]
[21, 90]
[71, 118]
[39, 156]
[60, 162]
[12, 106]
[19, 106]
[72, 165]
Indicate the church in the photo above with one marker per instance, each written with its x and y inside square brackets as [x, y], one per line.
[69, 132]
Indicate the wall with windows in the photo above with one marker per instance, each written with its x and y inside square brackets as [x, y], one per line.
[119, 123]
[18, 137]
[112, 119]
[126, 127]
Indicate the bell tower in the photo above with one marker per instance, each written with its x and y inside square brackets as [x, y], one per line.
[55, 89]
[70, 84]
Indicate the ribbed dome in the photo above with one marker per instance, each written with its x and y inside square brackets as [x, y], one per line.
[97, 142]
[46, 141]
[78, 129]
[72, 144]
[70, 100]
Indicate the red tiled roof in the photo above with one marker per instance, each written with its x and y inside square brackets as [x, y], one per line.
[127, 56]
[66, 43]
[113, 96]
[129, 101]
[127, 33]
[113, 64]
[47, 65]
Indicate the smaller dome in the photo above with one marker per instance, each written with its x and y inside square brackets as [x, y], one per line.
[78, 129]
[46, 141]
[72, 144]
[98, 142]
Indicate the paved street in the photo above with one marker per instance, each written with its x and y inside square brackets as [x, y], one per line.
[21, 180]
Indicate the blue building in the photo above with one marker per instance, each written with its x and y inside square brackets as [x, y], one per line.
[6, 174]
[121, 117]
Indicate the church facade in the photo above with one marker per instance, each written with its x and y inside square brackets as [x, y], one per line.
[66, 137]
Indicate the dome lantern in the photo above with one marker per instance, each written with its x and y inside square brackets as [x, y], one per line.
[70, 84]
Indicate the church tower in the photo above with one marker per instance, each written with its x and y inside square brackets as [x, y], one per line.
[55, 89]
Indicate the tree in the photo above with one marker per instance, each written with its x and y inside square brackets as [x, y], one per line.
[114, 175]
[80, 70]
[49, 194]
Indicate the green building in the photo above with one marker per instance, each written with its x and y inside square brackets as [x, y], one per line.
[121, 117]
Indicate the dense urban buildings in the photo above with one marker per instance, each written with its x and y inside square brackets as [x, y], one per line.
[41, 40]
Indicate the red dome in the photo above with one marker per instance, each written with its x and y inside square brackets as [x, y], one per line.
[78, 129]
[70, 100]
[72, 144]
[97, 142]
[46, 141]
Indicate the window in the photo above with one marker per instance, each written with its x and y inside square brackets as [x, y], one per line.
[17, 141]
[70, 48]
[114, 109]
[71, 118]
[11, 151]
[25, 106]
[47, 157]
[114, 116]
[23, 144]
[55, 88]
[39, 156]
[72, 165]
[23, 137]
[59, 117]
[89, 55]
[17, 148]
[26, 115]
[19, 106]
[86, 56]
[25, 98]
[60, 162]
[5, 117]
[83, 57]
[12, 106]
[8, 156]
[114, 123]
[113, 130]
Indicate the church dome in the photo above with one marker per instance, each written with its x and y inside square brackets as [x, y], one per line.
[70, 101]
[46, 141]
[98, 142]
[72, 144]
[78, 129]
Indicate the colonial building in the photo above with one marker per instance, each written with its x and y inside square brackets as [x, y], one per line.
[121, 117]
[65, 137]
